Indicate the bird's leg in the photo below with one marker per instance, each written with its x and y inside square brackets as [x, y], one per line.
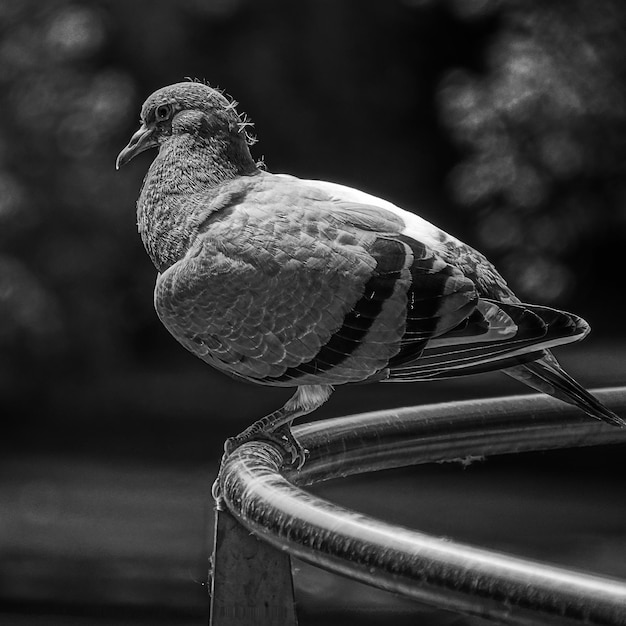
[276, 427]
[261, 429]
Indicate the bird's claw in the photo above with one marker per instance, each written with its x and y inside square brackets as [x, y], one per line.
[230, 445]
[292, 451]
[216, 491]
[293, 447]
[290, 447]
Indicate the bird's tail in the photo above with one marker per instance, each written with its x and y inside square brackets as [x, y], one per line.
[546, 375]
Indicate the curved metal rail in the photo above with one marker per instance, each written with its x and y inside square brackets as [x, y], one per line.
[440, 572]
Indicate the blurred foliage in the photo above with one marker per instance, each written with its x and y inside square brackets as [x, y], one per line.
[545, 130]
[503, 121]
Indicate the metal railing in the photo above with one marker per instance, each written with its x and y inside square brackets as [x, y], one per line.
[270, 502]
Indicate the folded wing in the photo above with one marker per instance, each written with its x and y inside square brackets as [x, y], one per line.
[496, 336]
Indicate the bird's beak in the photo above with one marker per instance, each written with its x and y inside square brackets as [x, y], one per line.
[140, 141]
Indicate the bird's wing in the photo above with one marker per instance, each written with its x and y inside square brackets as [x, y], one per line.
[489, 283]
[287, 286]
[499, 332]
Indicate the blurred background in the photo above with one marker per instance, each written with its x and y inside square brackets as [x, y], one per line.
[503, 121]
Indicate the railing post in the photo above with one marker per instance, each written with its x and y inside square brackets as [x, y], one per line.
[251, 582]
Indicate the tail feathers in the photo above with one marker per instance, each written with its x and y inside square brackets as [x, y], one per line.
[547, 376]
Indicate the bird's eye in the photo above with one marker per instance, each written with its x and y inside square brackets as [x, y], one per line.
[163, 112]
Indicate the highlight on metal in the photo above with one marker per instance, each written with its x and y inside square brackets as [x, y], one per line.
[270, 502]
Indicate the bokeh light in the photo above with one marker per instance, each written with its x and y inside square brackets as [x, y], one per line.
[539, 123]
[75, 31]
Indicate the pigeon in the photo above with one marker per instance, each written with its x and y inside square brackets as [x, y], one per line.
[308, 284]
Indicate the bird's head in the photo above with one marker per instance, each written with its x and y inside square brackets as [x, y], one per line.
[189, 107]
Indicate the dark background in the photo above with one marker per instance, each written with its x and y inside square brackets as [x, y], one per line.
[502, 121]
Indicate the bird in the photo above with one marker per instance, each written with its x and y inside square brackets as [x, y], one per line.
[281, 281]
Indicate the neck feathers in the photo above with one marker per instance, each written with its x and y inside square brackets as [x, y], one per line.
[186, 167]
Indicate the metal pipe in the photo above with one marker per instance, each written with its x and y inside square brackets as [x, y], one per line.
[269, 502]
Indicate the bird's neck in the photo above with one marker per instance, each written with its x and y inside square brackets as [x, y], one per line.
[185, 169]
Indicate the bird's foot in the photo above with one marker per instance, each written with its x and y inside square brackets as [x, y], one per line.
[276, 427]
[293, 452]
[291, 446]
[282, 437]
